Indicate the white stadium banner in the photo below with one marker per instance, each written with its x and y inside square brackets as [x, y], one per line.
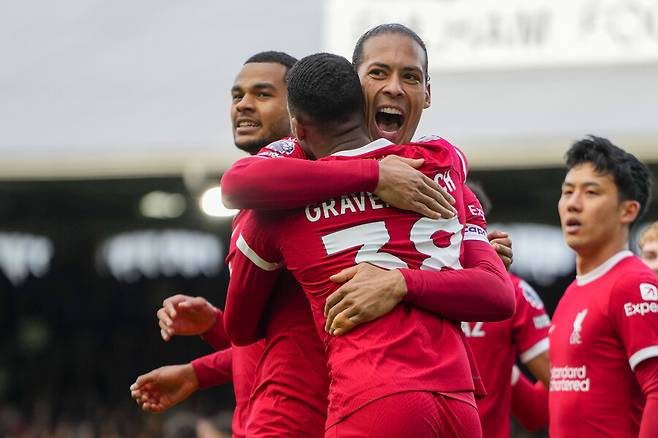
[508, 34]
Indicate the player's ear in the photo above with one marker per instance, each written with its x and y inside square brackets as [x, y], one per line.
[629, 210]
[297, 129]
[428, 95]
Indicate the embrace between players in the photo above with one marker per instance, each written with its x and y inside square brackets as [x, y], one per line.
[356, 256]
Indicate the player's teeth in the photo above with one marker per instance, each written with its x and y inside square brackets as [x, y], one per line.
[391, 111]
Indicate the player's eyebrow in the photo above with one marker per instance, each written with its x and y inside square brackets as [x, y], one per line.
[236, 89]
[262, 85]
[379, 64]
[585, 184]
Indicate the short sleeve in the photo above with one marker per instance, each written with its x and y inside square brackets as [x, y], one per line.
[257, 243]
[476, 223]
[633, 310]
[530, 322]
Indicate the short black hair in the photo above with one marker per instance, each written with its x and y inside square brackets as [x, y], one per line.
[481, 194]
[325, 88]
[274, 57]
[357, 55]
[631, 176]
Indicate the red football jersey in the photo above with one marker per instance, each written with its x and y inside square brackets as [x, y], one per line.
[604, 326]
[281, 384]
[405, 350]
[496, 345]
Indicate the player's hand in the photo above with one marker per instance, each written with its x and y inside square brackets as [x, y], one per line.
[185, 316]
[402, 186]
[164, 387]
[502, 243]
[367, 293]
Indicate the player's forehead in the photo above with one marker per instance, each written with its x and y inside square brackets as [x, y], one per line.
[260, 75]
[393, 49]
[585, 174]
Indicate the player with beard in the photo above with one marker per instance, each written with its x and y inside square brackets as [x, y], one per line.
[280, 385]
[391, 61]
[648, 244]
[409, 358]
[604, 336]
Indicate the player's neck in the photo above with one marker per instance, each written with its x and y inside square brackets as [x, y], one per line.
[590, 258]
[343, 140]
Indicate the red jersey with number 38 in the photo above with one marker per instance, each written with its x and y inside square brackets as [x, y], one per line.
[408, 349]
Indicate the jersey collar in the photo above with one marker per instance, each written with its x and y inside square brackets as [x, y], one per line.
[372, 146]
[603, 268]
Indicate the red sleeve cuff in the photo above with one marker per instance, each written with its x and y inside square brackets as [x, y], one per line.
[214, 369]
[216, 337]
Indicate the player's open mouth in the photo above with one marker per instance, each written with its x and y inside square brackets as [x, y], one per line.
[572, 226]
[389, 121]
[245, 126]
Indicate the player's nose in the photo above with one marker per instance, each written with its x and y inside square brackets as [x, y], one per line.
[393, 86]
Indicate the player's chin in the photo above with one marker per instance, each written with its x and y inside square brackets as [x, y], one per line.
[249, 143]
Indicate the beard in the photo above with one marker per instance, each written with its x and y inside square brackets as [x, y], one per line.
[253, 146]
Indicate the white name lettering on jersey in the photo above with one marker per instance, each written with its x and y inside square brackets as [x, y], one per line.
[353, 203]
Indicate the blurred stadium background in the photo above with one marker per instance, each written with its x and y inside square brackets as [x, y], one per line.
[114, 123]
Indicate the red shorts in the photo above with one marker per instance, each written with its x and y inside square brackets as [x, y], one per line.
[417, 414]
[284, 417]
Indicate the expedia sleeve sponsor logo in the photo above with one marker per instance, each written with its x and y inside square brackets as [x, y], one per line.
[649, 292]
[572, 379]
[641, 309]
[473, 232]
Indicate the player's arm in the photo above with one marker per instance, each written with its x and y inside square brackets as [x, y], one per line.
[164, 387]
[214, 369]
[530, 325]
[529, 401]
[184, 315]
[647, 376]
[480, 292]
[633, 310]
[260, 182]
[253, 276]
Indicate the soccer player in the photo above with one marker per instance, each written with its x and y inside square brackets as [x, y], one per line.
[404, 374]
[391, 61]
[649, 246]
[496, 346]
[285, 378]
[604, 336]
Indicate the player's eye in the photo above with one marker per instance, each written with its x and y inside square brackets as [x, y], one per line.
[412, 78]
[377, 73]
[263, 94]
[237, 97]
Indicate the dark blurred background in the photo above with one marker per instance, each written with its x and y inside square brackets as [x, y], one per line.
[77, 326]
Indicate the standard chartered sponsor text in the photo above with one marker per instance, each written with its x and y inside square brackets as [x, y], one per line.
[570, 379]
